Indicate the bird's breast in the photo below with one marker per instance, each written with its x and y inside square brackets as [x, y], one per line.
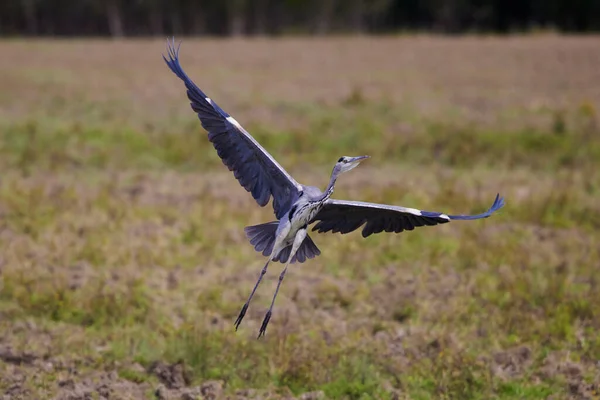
[302, 214]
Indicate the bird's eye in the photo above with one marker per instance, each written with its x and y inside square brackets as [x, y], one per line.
[341, 159]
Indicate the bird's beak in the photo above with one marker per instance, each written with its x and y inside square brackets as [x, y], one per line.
[359, 159]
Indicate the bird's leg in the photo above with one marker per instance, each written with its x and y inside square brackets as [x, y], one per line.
[297, 242]
[276, 249]
[240, 317]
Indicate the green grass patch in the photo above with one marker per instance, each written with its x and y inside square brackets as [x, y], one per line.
[326, 133]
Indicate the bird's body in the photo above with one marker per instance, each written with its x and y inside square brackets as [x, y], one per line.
[302, 212]
[296, 206]
[300, 215]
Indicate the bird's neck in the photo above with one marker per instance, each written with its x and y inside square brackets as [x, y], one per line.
[329, 191]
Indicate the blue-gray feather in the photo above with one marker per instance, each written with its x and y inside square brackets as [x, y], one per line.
[252, 166]
[347, 216]
[306, 251]
[498, 204]
[262, 237]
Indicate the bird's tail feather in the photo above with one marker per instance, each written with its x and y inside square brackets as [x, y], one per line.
[307, 250]
[262, 237]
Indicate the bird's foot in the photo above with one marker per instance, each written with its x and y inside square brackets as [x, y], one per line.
[240, 317]
[263, 327]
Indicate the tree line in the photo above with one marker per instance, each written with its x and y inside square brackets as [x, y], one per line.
[118, 18]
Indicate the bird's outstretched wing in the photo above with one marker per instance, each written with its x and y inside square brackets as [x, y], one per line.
[346, 216]
[255, 169]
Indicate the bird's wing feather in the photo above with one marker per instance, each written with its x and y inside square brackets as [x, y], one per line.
[255, 169]
[346, 216]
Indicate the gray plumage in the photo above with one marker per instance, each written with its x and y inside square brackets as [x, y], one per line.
[262, 237]
[295, 205]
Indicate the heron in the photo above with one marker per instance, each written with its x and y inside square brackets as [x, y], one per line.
[296, 206]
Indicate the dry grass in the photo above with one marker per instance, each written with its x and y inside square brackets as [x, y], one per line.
[124, 262]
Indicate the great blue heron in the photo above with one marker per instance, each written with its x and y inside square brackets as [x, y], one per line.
[295, 205]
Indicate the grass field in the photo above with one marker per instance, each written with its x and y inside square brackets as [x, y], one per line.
[124, 262]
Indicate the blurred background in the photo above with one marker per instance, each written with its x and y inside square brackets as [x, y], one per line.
[123, 260]
[118, 18]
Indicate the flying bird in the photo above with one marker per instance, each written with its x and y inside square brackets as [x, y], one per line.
[296, 206]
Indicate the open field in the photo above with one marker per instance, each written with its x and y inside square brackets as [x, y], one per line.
[124, 262]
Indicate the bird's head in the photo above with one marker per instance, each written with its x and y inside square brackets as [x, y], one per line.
[345, 163]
